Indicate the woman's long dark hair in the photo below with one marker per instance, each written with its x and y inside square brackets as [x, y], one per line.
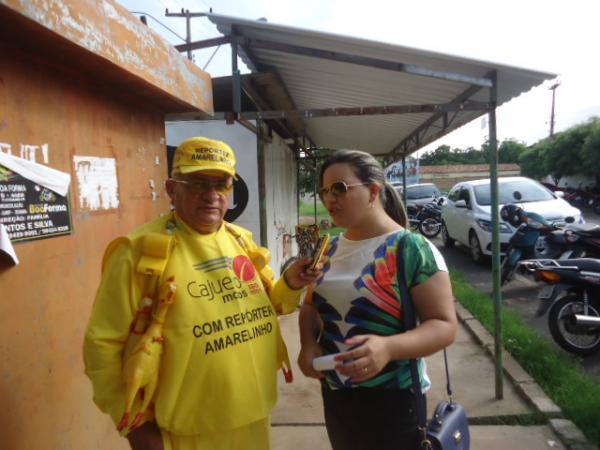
[368, 170]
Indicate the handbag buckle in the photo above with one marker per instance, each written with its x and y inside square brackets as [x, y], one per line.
[457, 435]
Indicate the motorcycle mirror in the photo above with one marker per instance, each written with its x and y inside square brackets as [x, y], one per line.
[517, 195]
[570, 219]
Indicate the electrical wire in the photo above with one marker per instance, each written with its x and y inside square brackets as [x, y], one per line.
[160, 23]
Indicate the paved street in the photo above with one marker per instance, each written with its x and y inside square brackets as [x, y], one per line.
[519, 295]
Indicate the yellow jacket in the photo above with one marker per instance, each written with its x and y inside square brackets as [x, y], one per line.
[223, 344]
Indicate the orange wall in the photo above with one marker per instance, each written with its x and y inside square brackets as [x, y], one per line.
[46, 401]
[109, 31]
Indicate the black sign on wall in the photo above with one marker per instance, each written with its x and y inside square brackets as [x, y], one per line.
[30, 211]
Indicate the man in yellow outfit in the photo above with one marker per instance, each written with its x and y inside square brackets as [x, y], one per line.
[222, 344]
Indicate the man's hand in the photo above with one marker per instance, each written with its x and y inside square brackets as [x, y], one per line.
[299, 275]
[146, 437]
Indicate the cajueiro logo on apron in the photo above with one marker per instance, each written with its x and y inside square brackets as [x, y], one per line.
[245, 271]
[228, 288]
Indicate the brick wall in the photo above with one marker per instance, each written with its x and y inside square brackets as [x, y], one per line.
[447, 176]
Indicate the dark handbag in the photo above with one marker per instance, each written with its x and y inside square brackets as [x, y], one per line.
[448, 428]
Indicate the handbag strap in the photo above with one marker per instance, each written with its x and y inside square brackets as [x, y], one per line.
[409, 319]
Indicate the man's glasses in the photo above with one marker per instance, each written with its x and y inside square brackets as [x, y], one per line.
[337, 188]
[201, 186]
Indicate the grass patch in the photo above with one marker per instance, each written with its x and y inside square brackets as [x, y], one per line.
[559, 375]
[307, 209]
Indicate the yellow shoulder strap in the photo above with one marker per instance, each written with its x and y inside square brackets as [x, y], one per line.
[156, 249]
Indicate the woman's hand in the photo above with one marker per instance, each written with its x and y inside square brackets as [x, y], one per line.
[368, 357]
[308, 352]
[146, 437]
[299, 274]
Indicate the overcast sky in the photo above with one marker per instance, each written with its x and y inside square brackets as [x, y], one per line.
[561, 37]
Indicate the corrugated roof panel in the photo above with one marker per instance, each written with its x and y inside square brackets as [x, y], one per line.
[317, 83]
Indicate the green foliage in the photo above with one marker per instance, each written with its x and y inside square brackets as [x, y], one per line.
[563, 154]
[309, 169]
[508, 152]
[531, 162]
[559, 375]
[590, 151]
[571, 152]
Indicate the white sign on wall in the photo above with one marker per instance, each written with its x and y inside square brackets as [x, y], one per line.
[97, 182]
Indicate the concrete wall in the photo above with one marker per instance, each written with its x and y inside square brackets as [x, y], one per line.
[281, 187]
[67, 107]
[46, 299]
[575, 181]
[445, 177]
[109, 32]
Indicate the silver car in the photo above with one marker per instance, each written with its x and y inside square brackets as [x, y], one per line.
[420, 194]
[466, 216]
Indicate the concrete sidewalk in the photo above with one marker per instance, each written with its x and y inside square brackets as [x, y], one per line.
[298, 421]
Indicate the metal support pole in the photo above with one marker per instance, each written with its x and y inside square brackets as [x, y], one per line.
[262, 194]
[236, 78]
[497, 293]
[298, 198]
[315, 187]
[553, 89]
[188, 34]
[404, 180]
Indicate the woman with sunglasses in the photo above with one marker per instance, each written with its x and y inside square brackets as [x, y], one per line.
[354, 310]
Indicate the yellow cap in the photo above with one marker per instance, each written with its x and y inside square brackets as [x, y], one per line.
[201, 153]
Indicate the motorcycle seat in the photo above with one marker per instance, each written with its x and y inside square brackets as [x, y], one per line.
[586, 264]
[586, 229]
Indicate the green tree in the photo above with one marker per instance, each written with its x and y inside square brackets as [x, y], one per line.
[563, 155]
[531, 162]
[510, 150]
[440, 156]
[310, 167]
[590, 151]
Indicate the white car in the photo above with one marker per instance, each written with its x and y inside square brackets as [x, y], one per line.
[466, 216]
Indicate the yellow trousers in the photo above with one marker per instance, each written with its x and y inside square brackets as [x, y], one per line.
[254, 436]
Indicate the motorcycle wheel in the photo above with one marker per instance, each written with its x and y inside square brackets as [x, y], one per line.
[430, 227]
[578, 339]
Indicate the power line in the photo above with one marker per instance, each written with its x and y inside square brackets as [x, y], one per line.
[211, 57]
[160, 23]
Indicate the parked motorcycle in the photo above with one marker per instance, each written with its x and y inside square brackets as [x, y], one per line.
[427, 218]
[522, 244]
[572, 300]
[572, 241]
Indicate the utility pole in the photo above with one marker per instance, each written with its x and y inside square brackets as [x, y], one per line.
[553, 89]
[188, 16]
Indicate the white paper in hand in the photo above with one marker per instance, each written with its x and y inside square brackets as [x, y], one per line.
[326, 362]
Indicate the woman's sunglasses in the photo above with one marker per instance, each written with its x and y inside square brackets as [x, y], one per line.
[337, 188]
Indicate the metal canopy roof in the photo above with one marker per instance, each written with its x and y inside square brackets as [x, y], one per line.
[324, 74]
